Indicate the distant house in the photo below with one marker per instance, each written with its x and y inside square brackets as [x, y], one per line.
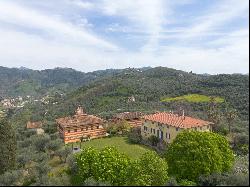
[81, 125]
[37, 126]
[34, 125]
[133, 118]
[166, 126]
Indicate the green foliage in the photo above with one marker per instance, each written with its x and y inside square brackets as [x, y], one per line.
[196, 98]
[153, 140]
[87, 162]
[7, 146]
[149, 170]
[195, 153]
[112, 166]
[172, 182]
[187, 183]
[10, 178]
[40, 142]
[92, 182]
[226, 179]
[109, 165]
[63, 153]
[134, 136]
[106, 165]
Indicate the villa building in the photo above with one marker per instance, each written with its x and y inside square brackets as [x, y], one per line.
[166, 126]
[133, 118]
[81, 125]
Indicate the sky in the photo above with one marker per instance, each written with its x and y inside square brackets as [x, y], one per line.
[203, 36]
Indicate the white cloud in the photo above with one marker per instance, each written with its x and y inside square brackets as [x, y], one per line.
[66, 44]
[21, 16]
[82, 4]
[145, 15]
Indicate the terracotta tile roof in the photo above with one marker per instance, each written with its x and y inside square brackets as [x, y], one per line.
[79, 120]
[176, 120]
[128, 115]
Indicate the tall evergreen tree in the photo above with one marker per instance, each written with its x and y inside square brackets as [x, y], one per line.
[7, 146]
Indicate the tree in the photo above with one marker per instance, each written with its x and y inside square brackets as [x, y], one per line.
[10, 178]
[112, 166]
[231, 115]
[87, 162]
[53, 146]
[153, 140]
[213, 112]
[7, 146]
[63, 153]
[195, 153]
[41, 142]
[134, 136]
[149, 170]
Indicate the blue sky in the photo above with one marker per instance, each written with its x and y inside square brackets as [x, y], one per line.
[203, 36]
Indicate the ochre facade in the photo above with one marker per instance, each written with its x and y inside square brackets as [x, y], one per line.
[166, 126]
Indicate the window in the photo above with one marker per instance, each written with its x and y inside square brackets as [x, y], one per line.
[161, 135]
[154, 131]
[169, 136]
[75, 130]
[158, 133]
[68, 131]
[167, 126]
[200, 128]
[97, 127]
[166, 135]
[177, 129]
[145, 128]
[151, 130]
[92, 127]
[81, 129]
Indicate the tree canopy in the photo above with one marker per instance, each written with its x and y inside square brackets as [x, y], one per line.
[195, 153]
[7, 146]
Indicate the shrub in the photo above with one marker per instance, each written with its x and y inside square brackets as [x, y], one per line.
[134, 136]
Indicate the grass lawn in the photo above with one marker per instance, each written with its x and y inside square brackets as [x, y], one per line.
[194, 98]
[132, 150]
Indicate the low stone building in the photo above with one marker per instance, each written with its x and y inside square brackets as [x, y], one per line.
[80, 126]
[37, 126]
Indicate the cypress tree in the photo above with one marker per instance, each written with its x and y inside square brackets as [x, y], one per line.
[7, 146]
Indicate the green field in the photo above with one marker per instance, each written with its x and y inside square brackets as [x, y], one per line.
[132, 150]
[193, 98]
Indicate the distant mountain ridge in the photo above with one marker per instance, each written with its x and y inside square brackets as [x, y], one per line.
[108, 90]
[23, 81]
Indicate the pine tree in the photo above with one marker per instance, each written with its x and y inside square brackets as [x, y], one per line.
[7, 146]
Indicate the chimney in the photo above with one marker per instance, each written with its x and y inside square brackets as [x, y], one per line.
[183, 114]
[80, 111]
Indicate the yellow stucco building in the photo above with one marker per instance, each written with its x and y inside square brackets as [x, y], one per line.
[166, 126]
